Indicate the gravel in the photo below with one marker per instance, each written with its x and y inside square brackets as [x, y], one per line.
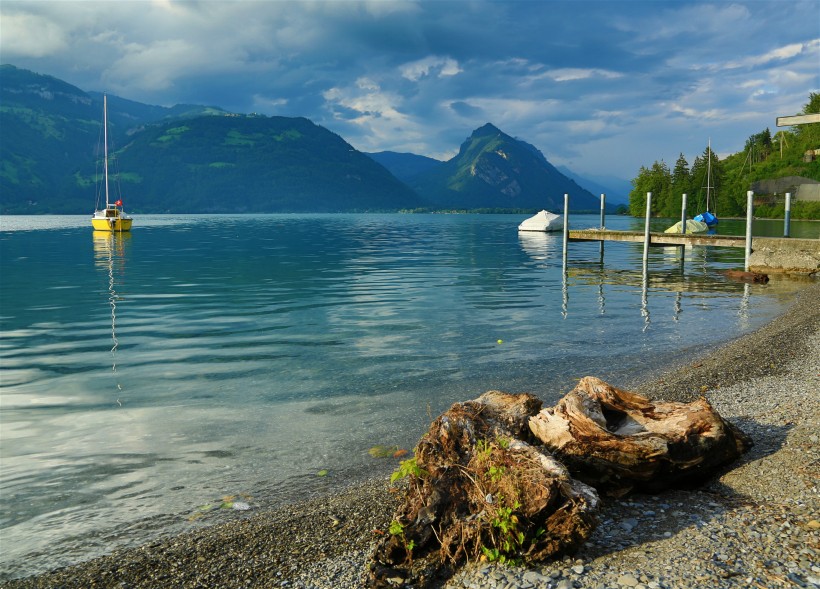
[755, 525]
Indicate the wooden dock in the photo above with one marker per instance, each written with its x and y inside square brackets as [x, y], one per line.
[769, 254]
[658, 239]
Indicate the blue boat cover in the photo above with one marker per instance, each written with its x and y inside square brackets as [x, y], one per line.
[708, 218]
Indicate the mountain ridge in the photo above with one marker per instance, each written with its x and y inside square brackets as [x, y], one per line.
[193, 158]
[492, 169]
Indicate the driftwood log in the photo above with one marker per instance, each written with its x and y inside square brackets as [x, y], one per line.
[616, 440]
[476, 489]
[742, 276]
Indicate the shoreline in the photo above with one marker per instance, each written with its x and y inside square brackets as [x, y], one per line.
[757, 524]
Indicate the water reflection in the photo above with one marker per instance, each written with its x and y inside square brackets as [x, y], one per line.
[540, 246]
[644, 294]
[110, 256]
[564, 289]
[676, 314]
[743, 311]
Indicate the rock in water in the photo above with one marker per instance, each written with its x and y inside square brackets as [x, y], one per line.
[750, 277]
[478, 489]
[616, 440]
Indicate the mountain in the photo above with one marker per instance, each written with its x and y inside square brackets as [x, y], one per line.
[186, 158]
[405, 166]
[50, 130]
[243, 164]
[493, 170]
[202, 159]
[616, 189]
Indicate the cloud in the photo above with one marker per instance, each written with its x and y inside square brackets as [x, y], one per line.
[444, 65]
[571, 74]
[777, 54]
[596, 85]
[30, 35]
[465, 109]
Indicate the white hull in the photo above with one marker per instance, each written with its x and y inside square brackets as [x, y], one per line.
[543, 222]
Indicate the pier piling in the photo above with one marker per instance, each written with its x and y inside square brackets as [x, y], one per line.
[646, 227]
[603, 226]
[749, 215]
[788, 216]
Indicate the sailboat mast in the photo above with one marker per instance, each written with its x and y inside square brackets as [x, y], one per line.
[105, 144]
[708, 172]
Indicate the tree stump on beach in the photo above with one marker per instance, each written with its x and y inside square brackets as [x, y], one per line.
[616, 440]
[477, 489]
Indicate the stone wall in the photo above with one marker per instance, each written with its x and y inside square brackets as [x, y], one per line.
[793, 184]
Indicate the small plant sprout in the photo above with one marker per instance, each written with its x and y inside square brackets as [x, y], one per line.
[397, 529]
[406, 468]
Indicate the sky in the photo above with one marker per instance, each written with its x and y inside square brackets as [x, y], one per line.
[602, 87]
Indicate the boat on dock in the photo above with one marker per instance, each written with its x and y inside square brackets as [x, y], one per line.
[111, 218]
[692, 226]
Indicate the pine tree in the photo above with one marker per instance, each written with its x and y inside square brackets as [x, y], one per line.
[681, 183]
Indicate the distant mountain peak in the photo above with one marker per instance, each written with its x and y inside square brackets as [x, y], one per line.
[486, 129]
[494, 170]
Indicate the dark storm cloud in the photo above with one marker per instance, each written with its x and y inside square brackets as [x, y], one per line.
[600, 86]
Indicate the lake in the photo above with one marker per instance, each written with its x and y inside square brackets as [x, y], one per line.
[169, 378]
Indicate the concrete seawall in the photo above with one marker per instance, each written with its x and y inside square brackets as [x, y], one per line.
[785, 255]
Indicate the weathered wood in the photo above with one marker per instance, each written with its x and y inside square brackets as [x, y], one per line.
[616, 440]
[742, 276]
[481, 491]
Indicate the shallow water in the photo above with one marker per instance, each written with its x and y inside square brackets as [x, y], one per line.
[146, 377]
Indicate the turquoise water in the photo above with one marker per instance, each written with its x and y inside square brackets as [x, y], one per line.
[145, 377]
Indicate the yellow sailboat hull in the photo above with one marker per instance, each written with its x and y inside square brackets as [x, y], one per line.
[113, 225]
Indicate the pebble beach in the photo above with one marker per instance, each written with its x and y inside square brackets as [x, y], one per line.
[756, 524]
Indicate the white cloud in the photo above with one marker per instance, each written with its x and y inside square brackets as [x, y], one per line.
[783, 53]
[367, 100]
[30, 35]
[157, 66]
[421, 68]
[571, 74]
[692, 113]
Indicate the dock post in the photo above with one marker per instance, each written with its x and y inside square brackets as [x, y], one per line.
[683, 215]
[603, 226]
[646, 227]
[788, 217]
[749, 212]
[566, 228]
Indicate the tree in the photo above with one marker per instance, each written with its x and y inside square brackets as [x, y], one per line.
[681, 183]
[656, 180]
[706, 180]
[809, 135]
[760, 145]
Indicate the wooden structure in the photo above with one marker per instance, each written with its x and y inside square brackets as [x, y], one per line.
[660, 239]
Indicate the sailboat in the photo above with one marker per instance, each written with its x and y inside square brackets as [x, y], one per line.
[708, 216]
[112, 217]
